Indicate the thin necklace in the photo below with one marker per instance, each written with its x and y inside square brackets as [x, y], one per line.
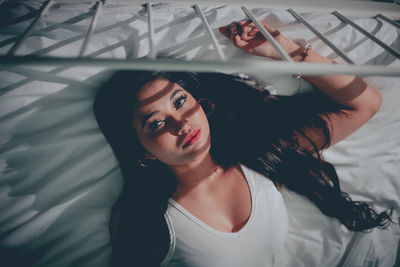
[216, 170]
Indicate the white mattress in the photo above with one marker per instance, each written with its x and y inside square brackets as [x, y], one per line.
[59, 177]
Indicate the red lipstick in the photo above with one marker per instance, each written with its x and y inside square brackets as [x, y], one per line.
[191, 139]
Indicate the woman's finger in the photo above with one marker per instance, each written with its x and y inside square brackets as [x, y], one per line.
[249, 30]
[274, 32]
[238, 41]
[235, 28]
[242, 31]
[229, 30]
[245, 22]
[224, 31]
[240, 27]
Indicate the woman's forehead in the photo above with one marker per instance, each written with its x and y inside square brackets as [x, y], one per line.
[156, 91]
[157, 88]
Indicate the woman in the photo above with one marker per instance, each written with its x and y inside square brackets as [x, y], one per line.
[204, 155]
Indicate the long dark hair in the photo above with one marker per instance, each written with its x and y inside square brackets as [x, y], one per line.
[262, 129]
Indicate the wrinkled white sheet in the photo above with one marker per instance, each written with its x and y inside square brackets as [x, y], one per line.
[59, 177]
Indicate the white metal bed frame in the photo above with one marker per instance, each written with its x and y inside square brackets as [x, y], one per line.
[389, 12]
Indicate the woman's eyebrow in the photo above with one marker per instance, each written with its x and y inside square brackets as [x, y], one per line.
[174, 93]
[148, 116]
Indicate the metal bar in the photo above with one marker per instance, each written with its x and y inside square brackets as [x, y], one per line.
[321, 36]
[370, 36]
[382, 17]
[22, 38]
[249, 66]
[267, 35]
[348, 7]
[210, 33]
[91, 28]
[152, 50]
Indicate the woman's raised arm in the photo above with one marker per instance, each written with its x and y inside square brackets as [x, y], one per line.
[360, 100]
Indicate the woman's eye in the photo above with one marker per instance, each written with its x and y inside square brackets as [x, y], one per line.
[155, 125]
[178, 102]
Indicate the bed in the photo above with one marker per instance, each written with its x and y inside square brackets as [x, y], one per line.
[59, 178]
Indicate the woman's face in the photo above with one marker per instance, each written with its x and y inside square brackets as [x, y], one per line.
[170, 124]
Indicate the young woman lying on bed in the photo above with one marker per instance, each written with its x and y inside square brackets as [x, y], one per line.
[204, 155]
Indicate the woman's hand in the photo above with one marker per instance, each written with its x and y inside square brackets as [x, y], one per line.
[248, 37]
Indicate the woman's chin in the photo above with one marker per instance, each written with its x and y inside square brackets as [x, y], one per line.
[197, 151]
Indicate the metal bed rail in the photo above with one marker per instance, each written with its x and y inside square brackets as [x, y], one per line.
[286, 66]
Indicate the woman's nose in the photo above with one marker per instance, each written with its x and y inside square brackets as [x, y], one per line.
[184, 127]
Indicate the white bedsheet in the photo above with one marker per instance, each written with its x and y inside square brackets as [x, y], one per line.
[59, 177]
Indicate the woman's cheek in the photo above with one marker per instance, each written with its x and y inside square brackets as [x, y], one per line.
[152, 144]
[163, 142]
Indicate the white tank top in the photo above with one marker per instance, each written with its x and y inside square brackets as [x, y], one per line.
[195, 244]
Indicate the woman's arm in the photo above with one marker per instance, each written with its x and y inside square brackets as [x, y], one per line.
[360, 100]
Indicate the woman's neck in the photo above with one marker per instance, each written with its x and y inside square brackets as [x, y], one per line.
[193, 174]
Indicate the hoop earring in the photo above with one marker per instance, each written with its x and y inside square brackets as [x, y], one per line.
[210, 106]
[142, 163]
[145, 162]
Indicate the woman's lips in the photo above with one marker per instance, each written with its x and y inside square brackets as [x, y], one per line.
[192, 139]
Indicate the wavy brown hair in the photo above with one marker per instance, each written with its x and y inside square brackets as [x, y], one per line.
[262, 135]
